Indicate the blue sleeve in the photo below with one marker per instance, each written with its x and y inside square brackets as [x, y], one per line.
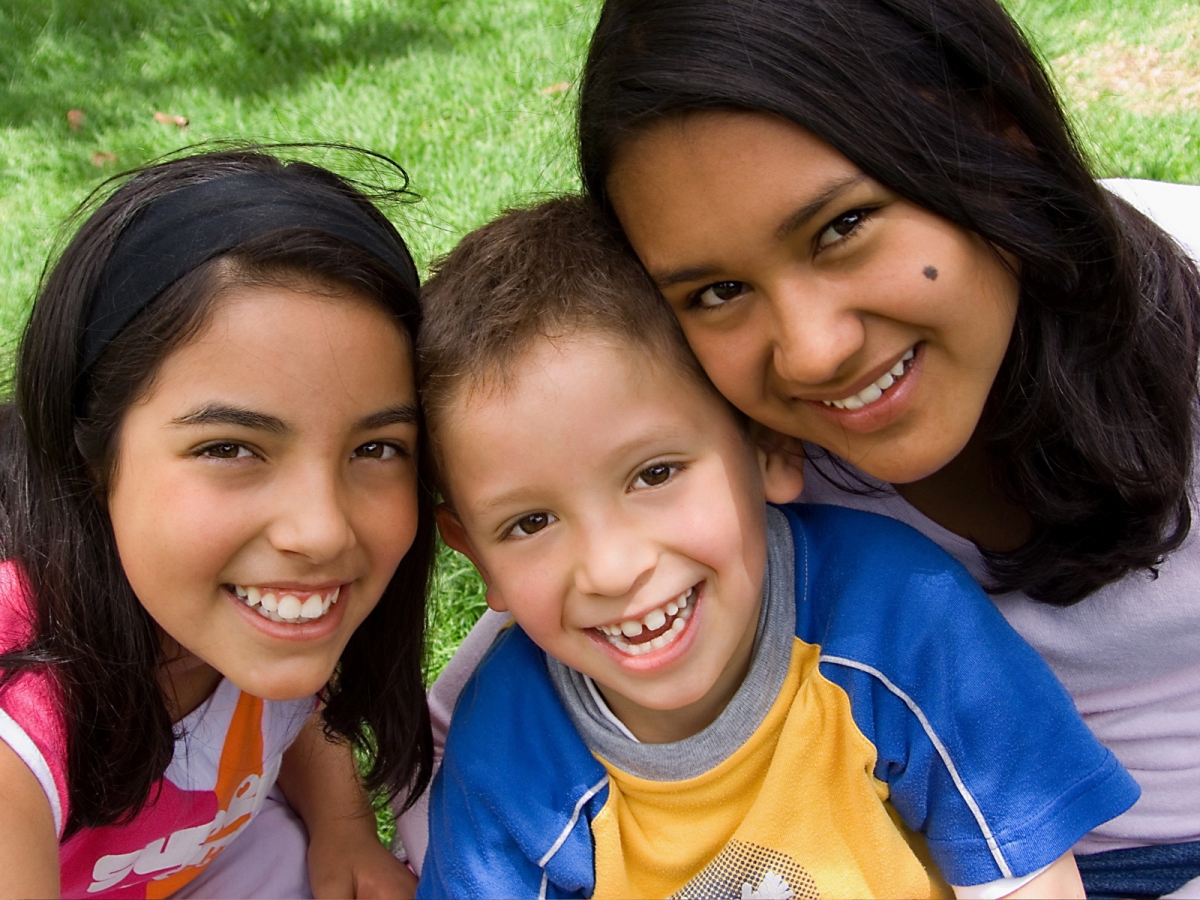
[981, 747]
[513, 800]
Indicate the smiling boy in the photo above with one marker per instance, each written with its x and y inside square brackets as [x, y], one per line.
[706, 696]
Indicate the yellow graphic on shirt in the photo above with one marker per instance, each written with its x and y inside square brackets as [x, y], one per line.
[796, 812]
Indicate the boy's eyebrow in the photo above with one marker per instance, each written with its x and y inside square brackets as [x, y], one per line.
[222, 414]
[400, 414]
[797, 219]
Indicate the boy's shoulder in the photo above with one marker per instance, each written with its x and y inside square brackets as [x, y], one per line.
[862, 573]
[518, 777]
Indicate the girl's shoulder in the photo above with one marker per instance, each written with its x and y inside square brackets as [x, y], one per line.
[31, 720]
[1175, 208]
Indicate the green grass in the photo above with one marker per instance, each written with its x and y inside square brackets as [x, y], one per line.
[455, 90]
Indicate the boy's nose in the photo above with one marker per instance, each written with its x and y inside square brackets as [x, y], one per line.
[614, 561]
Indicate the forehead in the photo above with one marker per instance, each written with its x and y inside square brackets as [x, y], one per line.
[586, 397]
[292, 347]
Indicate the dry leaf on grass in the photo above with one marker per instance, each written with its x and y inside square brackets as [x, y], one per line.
[102, 158]
[552, 89]
[74, 119]
[169, 119]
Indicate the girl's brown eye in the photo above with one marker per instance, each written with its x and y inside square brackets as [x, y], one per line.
[223, 451]
[377, 450]
[719, 293]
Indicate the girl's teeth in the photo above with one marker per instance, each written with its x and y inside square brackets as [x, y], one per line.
[874, 391]
[655, 619]
[630, 628]
[289, 608]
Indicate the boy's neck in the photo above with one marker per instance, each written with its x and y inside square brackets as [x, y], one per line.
[666, 726]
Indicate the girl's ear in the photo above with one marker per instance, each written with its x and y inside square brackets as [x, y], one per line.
[455, 537]
[782, 473]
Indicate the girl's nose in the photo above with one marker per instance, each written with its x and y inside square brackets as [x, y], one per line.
[614, 560]
[312, 520]
[814, 334]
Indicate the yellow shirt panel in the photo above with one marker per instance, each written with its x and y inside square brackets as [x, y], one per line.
[797, 808]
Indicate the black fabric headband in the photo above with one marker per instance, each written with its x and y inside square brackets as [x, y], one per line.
[190, 226]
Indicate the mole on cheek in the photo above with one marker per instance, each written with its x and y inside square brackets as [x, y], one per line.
[931, 273]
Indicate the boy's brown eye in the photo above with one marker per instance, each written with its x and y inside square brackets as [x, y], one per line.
[655, 475]
[533, 523]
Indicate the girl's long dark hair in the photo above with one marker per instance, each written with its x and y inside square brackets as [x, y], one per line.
[58, 445]
[1091, 417]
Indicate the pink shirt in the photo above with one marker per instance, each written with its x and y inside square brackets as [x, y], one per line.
[223, 767]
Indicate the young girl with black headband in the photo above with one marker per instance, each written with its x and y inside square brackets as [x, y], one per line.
[216, 540]
[881, 240]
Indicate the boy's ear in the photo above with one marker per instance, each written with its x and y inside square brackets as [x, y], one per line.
[455, 537]
[782, 473]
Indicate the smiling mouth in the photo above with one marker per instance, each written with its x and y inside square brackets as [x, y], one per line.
[290, 607]
[658, 628]
[874, 391]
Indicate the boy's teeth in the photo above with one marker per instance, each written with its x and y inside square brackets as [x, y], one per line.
[677, 607]
[287, 607]
[873, 391]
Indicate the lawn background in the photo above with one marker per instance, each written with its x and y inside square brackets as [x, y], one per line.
[473, 97]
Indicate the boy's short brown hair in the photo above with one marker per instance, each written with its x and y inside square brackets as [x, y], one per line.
[549, 270]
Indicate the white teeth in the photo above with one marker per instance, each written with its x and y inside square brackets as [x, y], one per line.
[654, 620]
[873, 391]
[288, 608]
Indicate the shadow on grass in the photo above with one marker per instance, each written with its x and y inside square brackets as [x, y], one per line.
[82, 53]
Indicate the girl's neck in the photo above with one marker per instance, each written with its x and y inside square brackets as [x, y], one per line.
[963, 498]
[185, 679]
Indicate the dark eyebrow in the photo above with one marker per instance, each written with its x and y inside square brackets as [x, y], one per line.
[797, 219]
[220, 414]
[804, 214]
[401, 414]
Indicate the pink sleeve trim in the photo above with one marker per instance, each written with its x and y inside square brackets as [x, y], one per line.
[22, 744]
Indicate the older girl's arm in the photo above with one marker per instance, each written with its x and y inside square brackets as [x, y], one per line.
[345, 858]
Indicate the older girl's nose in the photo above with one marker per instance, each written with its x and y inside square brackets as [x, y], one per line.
[814, 334]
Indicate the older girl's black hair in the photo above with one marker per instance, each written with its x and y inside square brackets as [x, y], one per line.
[56, 459]
[1091, 419]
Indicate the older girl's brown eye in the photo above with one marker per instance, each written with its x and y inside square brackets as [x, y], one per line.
[720, 293]
[653, 476]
